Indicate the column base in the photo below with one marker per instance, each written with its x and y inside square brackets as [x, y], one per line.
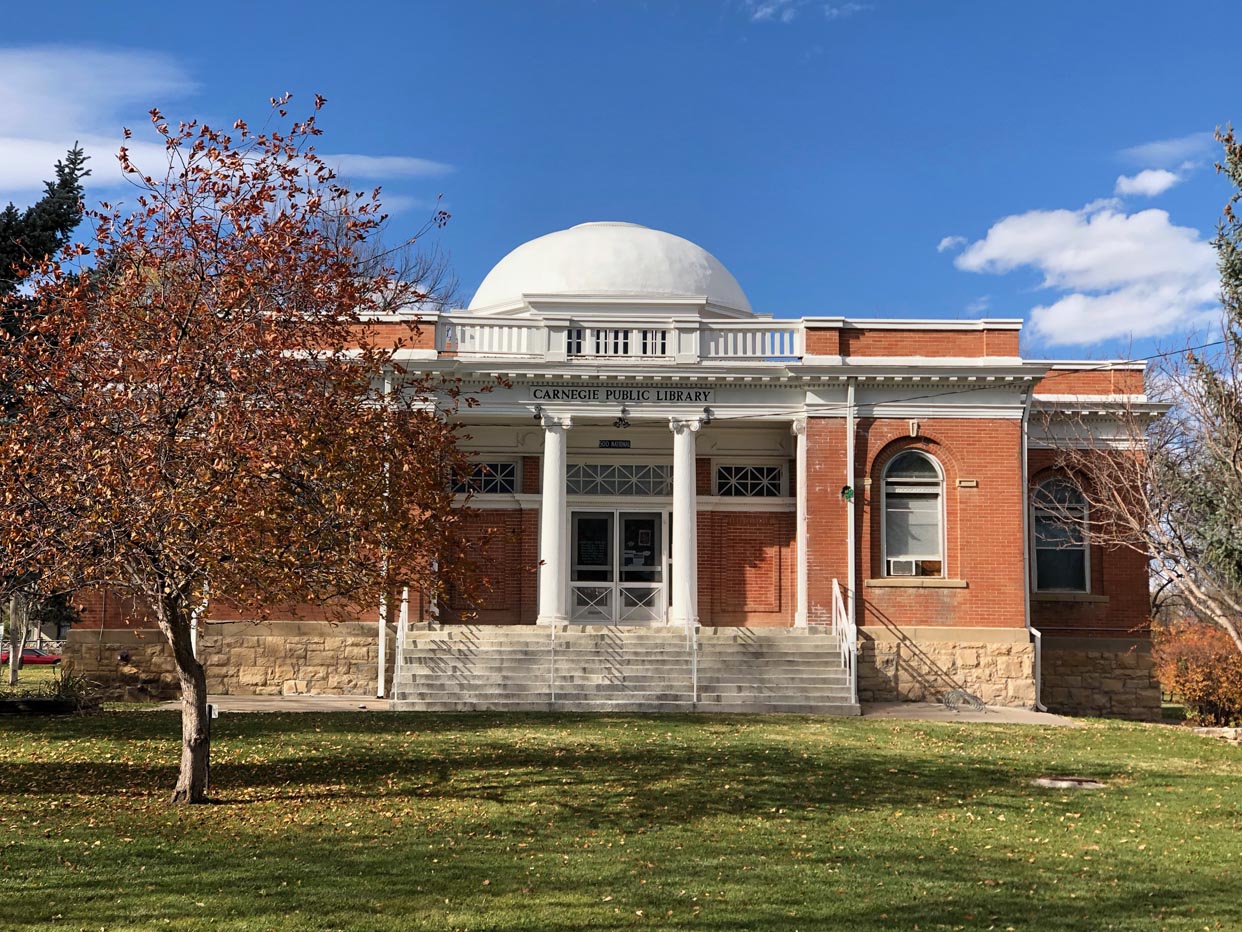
[552, 620]
[800, 620]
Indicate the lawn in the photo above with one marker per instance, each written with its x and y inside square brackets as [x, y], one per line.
[413, 821]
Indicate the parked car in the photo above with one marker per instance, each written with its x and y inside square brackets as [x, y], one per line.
[32, 655]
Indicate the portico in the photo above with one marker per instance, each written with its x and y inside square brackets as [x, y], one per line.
[626, 552]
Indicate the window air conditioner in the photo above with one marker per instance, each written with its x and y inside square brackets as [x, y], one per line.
[901, 567]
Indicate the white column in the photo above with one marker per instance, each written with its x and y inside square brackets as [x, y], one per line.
[685, 523]
[800, 614]
[553, 526]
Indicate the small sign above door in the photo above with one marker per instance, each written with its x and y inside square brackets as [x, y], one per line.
[614, 444]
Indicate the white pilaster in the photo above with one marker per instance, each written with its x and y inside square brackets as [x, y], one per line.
[800, 614]
[685, 523]
[553, 526]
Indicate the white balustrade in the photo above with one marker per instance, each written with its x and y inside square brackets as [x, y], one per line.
[751, 339]
[744, 340]
[490, 338]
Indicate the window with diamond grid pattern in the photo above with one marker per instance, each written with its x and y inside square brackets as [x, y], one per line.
[619, 479]
[749, 481]
[488, 479]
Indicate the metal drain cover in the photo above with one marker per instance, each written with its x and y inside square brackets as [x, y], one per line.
[1069, 783]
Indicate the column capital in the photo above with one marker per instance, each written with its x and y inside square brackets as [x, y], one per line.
[679, 425]
[551, 422]
[797, 426]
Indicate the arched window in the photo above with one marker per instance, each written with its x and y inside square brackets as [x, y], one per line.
[913, 516]
[1059, 529]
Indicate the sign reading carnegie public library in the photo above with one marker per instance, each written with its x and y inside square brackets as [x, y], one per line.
[619, 394]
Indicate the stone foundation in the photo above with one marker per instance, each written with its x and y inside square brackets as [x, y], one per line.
[240, 659]
[924, 664]
[1107, 677]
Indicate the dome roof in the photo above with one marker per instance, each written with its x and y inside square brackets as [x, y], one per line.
[610, 259]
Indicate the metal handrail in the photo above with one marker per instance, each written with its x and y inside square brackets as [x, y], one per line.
[847, 637]
[552, 665]
[692, 645]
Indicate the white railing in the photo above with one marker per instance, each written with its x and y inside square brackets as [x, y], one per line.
[847, 637]
[490, 338]
[747, 340]
[750, 339]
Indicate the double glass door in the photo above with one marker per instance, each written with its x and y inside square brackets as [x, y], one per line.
[618, 566]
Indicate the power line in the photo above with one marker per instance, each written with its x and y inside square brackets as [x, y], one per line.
[1103, 366]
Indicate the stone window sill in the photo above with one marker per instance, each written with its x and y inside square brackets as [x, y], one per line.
[915, 582]
[1068, 597]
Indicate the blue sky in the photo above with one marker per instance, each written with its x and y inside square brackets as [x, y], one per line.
[896, 158]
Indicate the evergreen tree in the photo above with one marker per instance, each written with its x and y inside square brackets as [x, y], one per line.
[27, 236]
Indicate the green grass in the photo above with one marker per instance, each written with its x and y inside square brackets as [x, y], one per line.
[28, 677]
[403, 822]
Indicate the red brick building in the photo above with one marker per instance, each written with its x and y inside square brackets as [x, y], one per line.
[663, 458]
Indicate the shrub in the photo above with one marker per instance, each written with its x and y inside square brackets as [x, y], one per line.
[1199, 664]
[82, 692]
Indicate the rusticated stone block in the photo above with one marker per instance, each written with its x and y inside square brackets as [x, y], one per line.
[1084, 677]
[910, 668]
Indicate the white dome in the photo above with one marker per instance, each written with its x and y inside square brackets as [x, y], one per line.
[610, 259]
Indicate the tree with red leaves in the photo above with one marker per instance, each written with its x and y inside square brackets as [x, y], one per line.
[202, 400]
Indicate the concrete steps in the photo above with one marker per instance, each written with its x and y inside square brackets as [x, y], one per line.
[622, 669]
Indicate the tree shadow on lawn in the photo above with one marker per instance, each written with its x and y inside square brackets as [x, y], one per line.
[624, 787]
[378, 887]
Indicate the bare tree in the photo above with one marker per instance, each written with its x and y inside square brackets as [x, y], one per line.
[1171, 486]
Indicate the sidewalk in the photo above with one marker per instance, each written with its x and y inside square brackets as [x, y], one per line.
[290, 704]
[992, 715]
[915, 711]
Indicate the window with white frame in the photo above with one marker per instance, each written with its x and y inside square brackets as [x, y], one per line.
[913, 516]
[1059, 529]
[488, 479]
[653, 342]
[748, 481]
[612, 343]
[619, 479]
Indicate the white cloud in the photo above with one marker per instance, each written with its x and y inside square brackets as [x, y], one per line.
[1170, 153]
[979, 305]
[842, 10]
[53, 96]
[402, 203]
[767, 11]
[950, 242]
[1121, 274]
[786, 11]
[385, 166]
[1149, 182]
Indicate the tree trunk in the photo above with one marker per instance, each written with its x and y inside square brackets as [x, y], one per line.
[195, 743]
[174, 619]
[17, 638]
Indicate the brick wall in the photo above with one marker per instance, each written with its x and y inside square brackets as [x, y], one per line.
[506, 554]
[861, 341]
[1118, 604]
[746, 568]
[826, 515]
[409, 335]
[983, 523]
[1095, 381]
